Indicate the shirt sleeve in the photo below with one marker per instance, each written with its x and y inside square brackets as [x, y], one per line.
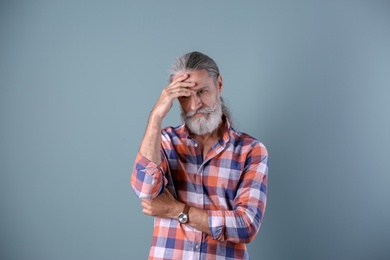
[148, 179]
[241, 224]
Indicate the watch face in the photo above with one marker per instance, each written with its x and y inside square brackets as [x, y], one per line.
[183, 218]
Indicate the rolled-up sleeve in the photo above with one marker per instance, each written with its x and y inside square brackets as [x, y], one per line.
[148, 178]
[241, 224]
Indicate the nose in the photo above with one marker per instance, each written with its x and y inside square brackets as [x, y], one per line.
[195, 102]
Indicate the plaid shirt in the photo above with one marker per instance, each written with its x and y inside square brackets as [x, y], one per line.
[230, 183]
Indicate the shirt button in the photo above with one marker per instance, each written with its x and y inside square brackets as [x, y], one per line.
[197, 246]
[196, 145]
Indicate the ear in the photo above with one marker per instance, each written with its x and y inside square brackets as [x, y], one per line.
[220, 84]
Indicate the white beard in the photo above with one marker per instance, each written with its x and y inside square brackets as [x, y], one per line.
[203, 124]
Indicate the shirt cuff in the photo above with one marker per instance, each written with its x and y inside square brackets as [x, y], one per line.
[148, 178]
[216, 221]
[146, 165]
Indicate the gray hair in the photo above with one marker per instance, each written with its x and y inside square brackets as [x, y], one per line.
[197, 61]
[226, 112]
[194, 61]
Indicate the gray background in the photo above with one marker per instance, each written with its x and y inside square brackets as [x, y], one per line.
[310, 79]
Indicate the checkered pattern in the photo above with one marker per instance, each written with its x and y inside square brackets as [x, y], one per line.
[231, 184]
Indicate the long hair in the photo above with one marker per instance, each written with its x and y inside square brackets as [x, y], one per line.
[195, 60]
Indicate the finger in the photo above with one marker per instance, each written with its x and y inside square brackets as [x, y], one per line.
[181, 92]
[145, 204]
[146, 212]
[181, 84]
[177, 92]
[180, 77]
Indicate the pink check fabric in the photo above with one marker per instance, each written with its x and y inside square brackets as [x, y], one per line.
[231, 184]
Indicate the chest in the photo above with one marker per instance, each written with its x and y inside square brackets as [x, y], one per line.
[213, 179]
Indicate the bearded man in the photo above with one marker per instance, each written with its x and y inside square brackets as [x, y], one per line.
[203, 181]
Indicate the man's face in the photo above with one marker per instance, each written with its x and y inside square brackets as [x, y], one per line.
[202, 111]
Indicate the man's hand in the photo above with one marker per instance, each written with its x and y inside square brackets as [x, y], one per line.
[166, 206]
[150, 145]
[163, 206]
[177, 88]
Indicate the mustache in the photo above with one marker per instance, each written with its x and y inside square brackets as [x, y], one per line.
[204, 110]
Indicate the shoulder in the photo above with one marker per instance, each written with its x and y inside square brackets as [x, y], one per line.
[247, 142]
[170, 132]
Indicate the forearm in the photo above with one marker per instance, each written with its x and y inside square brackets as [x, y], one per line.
[148, 174]
[150, 145]
[239, 225]
[234, 225]
[166, 206]
[198, 219]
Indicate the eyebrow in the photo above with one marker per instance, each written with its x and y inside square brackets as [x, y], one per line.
[203, 87]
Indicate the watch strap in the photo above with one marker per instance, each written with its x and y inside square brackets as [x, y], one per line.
[186, 209]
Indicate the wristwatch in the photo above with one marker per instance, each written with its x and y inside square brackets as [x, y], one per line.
[183, 217]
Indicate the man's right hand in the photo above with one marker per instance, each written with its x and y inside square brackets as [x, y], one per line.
[150, 145]
[177, 88]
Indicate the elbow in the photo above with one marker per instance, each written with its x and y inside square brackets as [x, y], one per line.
[251, 235]
[242, 228]
[144, 190]
[142, 193]
[248, 232]
[146, 193]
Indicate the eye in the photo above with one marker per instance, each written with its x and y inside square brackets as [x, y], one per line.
[202, 91]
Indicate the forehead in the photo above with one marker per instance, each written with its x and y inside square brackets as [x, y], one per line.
[197, 76]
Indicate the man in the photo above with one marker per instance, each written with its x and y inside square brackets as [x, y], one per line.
[204, 182]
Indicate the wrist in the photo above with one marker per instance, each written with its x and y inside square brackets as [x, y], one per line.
[177, 209]
[155, 117]
[184, 217]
